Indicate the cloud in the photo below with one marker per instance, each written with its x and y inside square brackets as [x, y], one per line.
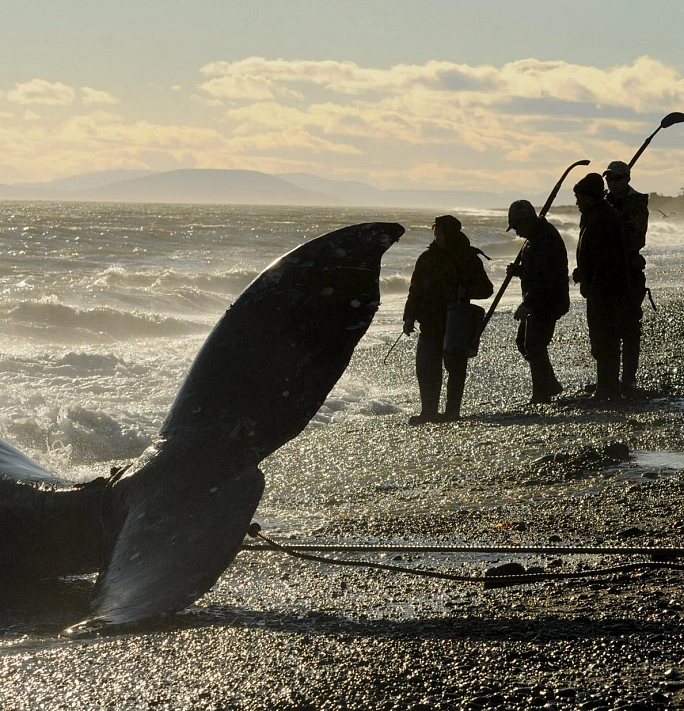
[230, 86]
[636, 86]
[41, 92]
[101, 140]
[437, 124]
[93, 96]
[527, 112]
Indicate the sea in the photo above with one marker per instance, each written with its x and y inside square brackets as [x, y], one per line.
[103, 307]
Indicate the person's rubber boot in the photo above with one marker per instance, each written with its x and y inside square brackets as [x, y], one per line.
[607, 379]
[429, 401]
[452, 412]
[424, 418]
[553, 385]
[455, 388]
[539, 371]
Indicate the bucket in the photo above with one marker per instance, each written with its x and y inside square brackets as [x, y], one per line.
[463, 328]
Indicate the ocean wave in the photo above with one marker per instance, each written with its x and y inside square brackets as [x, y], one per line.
[395, 283]
[65, 437]
[171, 282]
[46, 320]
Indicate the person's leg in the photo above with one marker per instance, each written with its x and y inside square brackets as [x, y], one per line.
[631, 329]
[456, 367]
[602, 317]
[535, 335]
[429, 375]
[631, 350]
[608, 376]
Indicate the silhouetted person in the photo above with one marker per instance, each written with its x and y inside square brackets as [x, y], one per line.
[603, 278]
[633, 208]
[543, 272]
[448, 271]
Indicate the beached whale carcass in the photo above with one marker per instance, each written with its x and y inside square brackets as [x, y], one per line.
[162, 531]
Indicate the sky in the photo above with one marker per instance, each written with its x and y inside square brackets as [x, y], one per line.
[493, 95]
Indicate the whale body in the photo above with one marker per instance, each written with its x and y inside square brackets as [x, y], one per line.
[161, 531]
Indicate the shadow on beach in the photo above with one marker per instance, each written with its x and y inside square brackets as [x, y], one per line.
[46, 610]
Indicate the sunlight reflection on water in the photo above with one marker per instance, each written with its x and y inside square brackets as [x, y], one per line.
[659, 459]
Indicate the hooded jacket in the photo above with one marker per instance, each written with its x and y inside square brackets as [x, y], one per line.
[436, 279]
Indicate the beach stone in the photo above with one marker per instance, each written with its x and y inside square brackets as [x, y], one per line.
[632, 532]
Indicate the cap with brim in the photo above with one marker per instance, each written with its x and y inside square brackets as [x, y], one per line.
[617, 167]
[518, 212]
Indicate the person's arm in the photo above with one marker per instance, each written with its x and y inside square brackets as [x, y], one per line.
[549, 262]
[636, 223]
[414, 297]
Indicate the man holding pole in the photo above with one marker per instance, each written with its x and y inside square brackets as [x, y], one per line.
[633, 208]
[543, 272]
[603, 278]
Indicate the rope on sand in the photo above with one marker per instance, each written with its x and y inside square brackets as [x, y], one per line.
[661, 558]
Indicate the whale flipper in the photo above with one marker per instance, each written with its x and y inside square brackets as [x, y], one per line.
[16, 465]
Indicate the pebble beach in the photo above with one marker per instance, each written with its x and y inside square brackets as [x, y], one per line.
[278, 632]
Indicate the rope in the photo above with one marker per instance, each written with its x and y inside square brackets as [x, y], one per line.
[489, 581]
[555, 550]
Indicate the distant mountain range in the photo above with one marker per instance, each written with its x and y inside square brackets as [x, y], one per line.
[255, 188]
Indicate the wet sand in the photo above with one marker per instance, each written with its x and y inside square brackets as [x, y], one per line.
[281, 633]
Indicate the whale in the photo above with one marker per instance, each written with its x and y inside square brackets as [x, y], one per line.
[161, 531]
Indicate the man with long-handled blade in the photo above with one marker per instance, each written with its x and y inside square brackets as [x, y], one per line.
[633, 208]
[543, 276]
[603, 279]
[516, 263]
[614, 328]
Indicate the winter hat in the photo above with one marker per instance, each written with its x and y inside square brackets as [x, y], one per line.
[448, 223]
[591, 185]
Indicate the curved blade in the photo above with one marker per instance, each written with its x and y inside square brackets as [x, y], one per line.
[672, 119]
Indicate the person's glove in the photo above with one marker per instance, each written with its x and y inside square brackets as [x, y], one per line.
[575, 276]
[409, 327]
[521, 313]
[513, 270]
